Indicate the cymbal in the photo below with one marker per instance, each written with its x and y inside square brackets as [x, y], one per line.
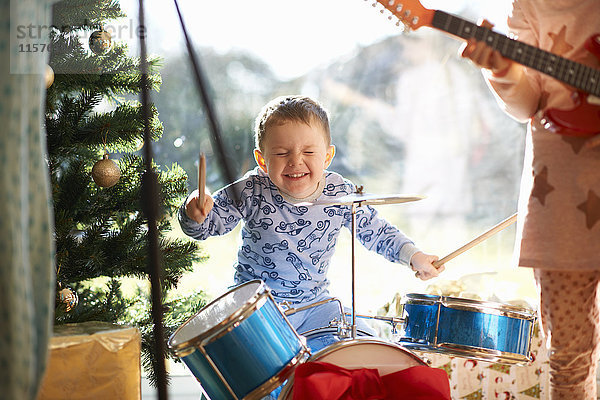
[368, 199]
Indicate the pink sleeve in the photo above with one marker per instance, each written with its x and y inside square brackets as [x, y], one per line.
[520, 100]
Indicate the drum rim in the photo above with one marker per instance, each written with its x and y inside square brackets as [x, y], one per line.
[348, 342]
[182, 349]
[331, 329]
[472, 353]
[485, 306]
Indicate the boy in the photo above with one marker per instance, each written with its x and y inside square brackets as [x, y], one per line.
[285, 242]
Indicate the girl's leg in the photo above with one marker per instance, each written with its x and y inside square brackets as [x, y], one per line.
[569, 317]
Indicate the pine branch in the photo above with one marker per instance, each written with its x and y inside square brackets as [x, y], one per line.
[84, 14]
[177, 311]
[63, 125]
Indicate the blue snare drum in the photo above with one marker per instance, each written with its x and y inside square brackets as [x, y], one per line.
[240, 346]
[467, 328]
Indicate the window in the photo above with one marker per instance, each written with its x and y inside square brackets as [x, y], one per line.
[408, 116]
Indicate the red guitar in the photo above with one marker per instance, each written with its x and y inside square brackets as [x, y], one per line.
[582, 120]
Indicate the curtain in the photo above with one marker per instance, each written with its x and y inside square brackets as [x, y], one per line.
[26, 248]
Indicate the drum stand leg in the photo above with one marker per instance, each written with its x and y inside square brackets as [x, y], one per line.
[354, 206]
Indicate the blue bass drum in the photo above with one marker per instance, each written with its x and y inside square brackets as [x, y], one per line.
[240, 346]
[467, 328]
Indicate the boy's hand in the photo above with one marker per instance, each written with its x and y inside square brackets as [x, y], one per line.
[194, 211]
[423, 265]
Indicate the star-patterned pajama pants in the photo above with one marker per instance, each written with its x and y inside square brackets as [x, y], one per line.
[569, 309]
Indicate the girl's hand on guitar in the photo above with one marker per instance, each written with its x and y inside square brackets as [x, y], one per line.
[194, 211]
[483, 56]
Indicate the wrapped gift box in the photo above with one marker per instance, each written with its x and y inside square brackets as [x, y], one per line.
[93, 360]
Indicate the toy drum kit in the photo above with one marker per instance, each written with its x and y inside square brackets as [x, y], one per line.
[242, 346]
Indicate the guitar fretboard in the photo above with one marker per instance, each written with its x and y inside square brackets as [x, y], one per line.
[570, 72]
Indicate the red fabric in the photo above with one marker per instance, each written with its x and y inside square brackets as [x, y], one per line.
[324, 381]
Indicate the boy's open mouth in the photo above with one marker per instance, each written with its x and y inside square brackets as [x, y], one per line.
[296, 176]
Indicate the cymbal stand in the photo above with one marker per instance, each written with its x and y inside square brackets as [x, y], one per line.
[354, 207]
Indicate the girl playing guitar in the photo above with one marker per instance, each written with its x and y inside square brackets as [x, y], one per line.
[559, 209]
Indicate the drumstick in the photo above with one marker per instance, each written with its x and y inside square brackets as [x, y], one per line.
[201, 180]
[508, 221]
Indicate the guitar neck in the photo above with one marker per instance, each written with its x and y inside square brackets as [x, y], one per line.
[577, 75]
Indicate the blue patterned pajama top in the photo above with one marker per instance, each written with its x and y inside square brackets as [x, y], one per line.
[289, 246]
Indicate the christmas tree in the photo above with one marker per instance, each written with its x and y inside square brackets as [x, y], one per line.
[95, 131]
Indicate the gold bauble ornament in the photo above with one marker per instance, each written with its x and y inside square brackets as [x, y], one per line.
[49, 76]
[66, 298]
[100, 42]
[106, 172]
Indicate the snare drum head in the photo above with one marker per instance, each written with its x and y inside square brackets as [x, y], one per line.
[216, 312]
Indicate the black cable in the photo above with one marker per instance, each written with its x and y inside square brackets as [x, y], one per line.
[150, 203]
[212, 119]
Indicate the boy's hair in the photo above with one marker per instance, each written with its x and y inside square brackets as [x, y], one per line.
[290, 108]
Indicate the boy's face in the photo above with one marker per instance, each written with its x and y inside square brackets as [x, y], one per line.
[295, 156]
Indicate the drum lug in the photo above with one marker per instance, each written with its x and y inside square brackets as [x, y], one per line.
[284, 306]
[342, 329]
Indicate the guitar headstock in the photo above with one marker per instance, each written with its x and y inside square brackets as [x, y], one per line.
[410, 12]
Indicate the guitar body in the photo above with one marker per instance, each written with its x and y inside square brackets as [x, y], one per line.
[584, 118]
